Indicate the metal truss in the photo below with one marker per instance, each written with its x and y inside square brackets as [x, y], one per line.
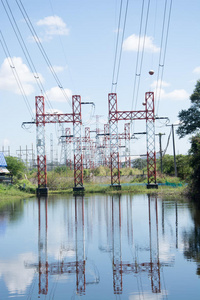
[78, 157]
[150, 136]
[68, 147]
[115, 116]
[114, 139]
[40, 142]
[127, 134]
[41, 120]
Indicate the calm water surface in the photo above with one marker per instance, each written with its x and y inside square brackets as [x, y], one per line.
[100, 247]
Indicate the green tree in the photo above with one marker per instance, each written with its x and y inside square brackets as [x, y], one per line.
[182, 164]
[139, 163]
[195, 164]
[189, 118]
[15, 166]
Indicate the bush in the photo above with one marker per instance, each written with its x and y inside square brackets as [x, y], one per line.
[15, 166]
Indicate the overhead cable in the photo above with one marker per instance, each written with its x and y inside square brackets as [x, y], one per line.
[116, 46]
[41, 48]
[139, 68]
[115, 81]
[15, 73]
[162, 60]
[24, 49]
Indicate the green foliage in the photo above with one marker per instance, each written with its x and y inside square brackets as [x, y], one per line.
[139, 163]
[61, 169]
[195, 165]
[86, 173]
[15, 166]
[168, 164]
[101, 171]
[59, 182]
[26, 186]
[182, 164]
[190, 121]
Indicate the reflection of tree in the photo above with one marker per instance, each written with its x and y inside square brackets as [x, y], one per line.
[13, 210]
[192, 239]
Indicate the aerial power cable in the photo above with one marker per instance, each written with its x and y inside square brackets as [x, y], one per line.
[62, 46]
[139, 68]
[162, 59]
[14, 71]
[41, 48]
[115, 77]
[116, 46]
[24, 49]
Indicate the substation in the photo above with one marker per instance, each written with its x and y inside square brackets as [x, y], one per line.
[87, 153]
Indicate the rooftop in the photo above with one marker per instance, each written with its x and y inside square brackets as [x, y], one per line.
[2, 160]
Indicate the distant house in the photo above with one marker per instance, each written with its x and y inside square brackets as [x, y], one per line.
[5, 175]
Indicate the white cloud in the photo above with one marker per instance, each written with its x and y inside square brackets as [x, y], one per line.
[7, 78]
[55, 94]
[59, 69]
[159, 83]
[54, 26]
[178, 94]
[34, 39]
[132, 42]
[196, 70]
[54, 111]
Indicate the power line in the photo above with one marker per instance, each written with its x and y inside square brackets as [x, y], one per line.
[120, 55]
[116, 47]
[142, 54]
[61, 43]
[24, 48]
[41, 48]
[14, 71]
[162, 62]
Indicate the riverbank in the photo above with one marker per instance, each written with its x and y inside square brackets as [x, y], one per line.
[13, 193]
[10, 193]
[128, 188]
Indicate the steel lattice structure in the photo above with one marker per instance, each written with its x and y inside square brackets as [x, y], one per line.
[40, 142]
[87, 152]
[115, 116]
[41, 120]
[150, 129]
[127, 134]
[68, 147]
[114, 139]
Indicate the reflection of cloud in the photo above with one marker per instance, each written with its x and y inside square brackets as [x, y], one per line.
[60, 252]
[3, 225]
[16, 276]
[147, 296]
[164, 252]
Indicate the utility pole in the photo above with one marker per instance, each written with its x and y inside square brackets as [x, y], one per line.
[174, 150]
[160, 146]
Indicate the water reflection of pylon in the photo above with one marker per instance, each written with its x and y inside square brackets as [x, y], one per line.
[45, 268]
[153, 266]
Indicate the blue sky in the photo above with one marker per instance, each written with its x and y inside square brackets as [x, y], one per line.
[79, 38]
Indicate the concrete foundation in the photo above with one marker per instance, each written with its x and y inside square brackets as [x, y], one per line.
[42, 192]
[152, 186]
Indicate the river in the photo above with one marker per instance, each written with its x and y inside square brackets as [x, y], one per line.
[100, 247]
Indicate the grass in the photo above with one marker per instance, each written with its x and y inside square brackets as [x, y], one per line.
[10, 193]
[136, 189]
